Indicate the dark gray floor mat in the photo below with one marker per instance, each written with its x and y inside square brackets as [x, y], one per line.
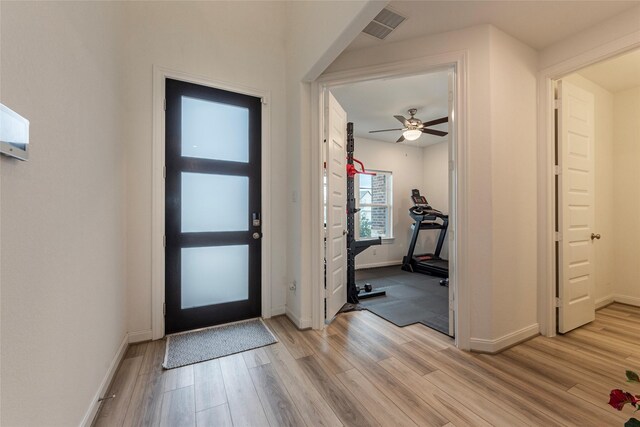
[439, 323]
[410, 297]
[399, 312]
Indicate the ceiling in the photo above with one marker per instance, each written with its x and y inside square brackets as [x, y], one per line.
[619, 73]
[538, 24]
[371, 105]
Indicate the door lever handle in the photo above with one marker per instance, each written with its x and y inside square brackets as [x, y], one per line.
[595, 236]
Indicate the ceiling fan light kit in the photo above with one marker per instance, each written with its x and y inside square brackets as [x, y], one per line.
[412, 134]
[413, 127]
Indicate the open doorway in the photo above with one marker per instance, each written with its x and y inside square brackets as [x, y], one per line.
[387, 213]
[597, 157]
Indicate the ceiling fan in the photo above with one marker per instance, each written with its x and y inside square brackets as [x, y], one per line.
[413, 127]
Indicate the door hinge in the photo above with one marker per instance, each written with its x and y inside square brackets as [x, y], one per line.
[164, 308]
[558, 236]
[164, 240]
[557, 103]
[264, 101]
[164, 171]
[558, 302]
[164, 104]
[556, 170]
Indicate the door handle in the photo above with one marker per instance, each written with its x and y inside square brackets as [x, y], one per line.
[345, 232]
[595, 236]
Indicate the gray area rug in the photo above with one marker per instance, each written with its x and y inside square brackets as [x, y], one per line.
[205, 344]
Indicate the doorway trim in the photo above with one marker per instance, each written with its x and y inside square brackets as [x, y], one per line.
[546, 162]
[458, 194]
[158, 193]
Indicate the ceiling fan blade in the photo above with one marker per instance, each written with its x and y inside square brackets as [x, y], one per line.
[400, 139]
[384, 130]
[434, 132]
[402, 120]
[436, 122]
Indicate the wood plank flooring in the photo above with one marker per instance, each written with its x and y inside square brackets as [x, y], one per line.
[364, 371]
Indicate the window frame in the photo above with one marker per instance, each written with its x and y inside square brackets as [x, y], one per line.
[388, 205]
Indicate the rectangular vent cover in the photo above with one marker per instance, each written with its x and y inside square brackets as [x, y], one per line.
[382, 25]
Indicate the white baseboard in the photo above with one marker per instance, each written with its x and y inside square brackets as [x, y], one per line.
[378, 264]
[140, 336]
[604, 301]
[627, 300]
[494, 346]
[106, 381]
[277, 311]
[299, 322]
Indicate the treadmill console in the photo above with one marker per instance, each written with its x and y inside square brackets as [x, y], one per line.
[421, 207]
[419, 200]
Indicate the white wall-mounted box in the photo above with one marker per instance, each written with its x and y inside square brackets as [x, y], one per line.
[14, 134]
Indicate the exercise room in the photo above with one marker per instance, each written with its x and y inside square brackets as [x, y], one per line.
[401, 189]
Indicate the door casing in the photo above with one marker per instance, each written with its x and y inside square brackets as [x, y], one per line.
[158, 193]
[458, 164]
[546, 165]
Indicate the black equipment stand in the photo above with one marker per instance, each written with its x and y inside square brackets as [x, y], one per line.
[426, 218]
[355, 247]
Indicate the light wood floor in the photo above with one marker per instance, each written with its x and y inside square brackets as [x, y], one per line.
[363, 371]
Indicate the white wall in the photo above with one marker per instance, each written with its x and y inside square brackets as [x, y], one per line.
[626, 229]
[435, 187]
[316, 33]
[514, 205]
[63, 213]
[593, 38]
[605, 212]
[501, 202]
[413, 167]
[405, 162]
[502, 289]
[245, 48]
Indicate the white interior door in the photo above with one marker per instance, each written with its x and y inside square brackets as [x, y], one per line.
[336, 244]
[576, 305]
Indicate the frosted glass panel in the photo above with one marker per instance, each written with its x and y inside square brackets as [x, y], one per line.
[214, 275]
[211, 130]
[214, 202]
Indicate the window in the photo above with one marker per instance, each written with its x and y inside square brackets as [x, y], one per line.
[375, 198]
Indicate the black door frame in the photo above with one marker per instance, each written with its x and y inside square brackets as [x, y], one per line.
[175, 319]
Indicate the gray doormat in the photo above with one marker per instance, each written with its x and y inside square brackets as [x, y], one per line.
[191, 347]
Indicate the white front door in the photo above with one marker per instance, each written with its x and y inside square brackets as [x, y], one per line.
[575, 207]
[336, 226]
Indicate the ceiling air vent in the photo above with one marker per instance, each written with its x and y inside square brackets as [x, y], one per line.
[382, 25]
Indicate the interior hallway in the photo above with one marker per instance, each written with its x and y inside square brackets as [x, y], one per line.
[363, 371]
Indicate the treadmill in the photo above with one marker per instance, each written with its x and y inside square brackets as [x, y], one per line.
[427, 218]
